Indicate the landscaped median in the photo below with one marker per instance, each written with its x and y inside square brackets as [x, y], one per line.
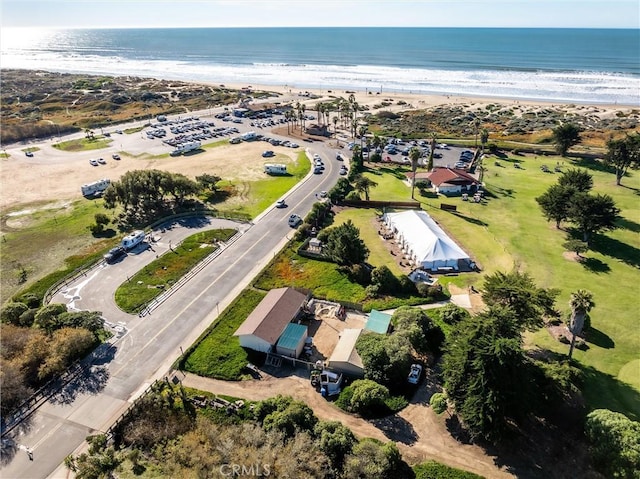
[156, 277]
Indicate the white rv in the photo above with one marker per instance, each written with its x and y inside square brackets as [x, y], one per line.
[133, 240]
[275, 169]
[183, 148]
[248, 136]
[91, 189]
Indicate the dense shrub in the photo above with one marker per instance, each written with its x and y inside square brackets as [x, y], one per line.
[11, 312]
[615, 441]
[365, 397]
[438, 403]
[452, 314]
[407, 286]
[435, 470]
[386, 281]
[296, 416]
[359, 273]
[335, 440]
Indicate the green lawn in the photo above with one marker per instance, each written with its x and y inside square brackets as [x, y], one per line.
[365, 221]
[509, 231]
[218, 353]
[253, 197]
[50, 237]
[148, 283]
[83, 144]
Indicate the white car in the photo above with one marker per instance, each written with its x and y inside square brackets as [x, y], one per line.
[102, 161]
[281, 204]
[93, 162]
[414, 374]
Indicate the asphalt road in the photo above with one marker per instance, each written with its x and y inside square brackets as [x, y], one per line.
[145, 347]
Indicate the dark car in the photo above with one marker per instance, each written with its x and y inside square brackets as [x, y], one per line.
[114, 254]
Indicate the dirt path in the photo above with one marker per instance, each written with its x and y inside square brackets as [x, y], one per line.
[419, 433]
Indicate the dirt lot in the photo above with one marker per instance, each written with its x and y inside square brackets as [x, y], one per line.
[52, 175]
[326, 328]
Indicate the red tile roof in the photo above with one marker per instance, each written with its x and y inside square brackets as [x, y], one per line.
[452, 176]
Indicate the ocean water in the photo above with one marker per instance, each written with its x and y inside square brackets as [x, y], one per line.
[568, 65]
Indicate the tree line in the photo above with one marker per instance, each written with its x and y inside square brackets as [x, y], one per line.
[39, 343]
[145, 195]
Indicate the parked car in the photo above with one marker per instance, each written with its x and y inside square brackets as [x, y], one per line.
[102, 161]
[29, 153]
[414, 374]
[294, 220]
[93, 162]
[235, 141]
[268, 153]
[114, 254]
[322, 194]
[115, 156]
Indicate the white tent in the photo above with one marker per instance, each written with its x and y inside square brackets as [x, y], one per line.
[421, 237]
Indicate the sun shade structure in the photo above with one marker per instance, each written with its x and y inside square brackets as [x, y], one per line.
[378, 322]
[264, 326]
[424, 242]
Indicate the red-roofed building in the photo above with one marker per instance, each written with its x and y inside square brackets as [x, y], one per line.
[448, 181]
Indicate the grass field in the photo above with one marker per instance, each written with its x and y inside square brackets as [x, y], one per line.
[148, 283]
[253, 197]
[508, 231]
[47, 242]
[218, 353]
[83, 144]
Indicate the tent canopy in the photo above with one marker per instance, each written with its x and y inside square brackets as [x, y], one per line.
[421, 237]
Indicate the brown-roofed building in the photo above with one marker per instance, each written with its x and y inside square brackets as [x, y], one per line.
[448, 181]
[264, 326]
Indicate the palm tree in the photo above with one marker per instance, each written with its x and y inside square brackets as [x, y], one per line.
[363, 184]
[476, 129]
[484, 137]
[362, 131]
[414, 156]
[335, 124]
[581, 303]
[432, 149]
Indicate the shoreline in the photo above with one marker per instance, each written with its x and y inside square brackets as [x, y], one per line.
[371, 94]
[414, 100]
